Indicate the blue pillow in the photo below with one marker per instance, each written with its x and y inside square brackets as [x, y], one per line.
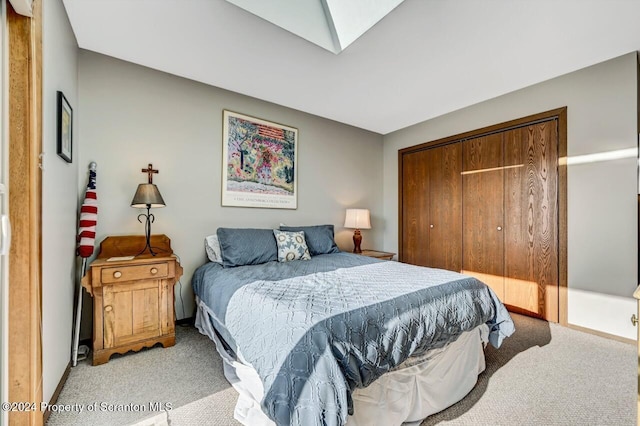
[247, 246]
[319, 238]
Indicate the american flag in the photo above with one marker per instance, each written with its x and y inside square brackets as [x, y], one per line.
[88, 217]
[270, 132]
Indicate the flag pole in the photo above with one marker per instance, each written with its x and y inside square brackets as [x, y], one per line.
[86, 240]
[76, 328]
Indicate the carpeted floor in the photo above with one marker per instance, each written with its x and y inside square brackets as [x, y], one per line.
[544, 374]
[178, 375]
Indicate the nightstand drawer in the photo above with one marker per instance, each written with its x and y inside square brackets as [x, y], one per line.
[132, 273]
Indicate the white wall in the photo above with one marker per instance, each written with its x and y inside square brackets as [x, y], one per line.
[59, 196]
[23, 7]
[132, 116]
[602, 210]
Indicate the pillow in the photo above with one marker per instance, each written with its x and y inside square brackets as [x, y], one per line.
[291, 246]
[247, 246]
[319, 238]
[212, 247]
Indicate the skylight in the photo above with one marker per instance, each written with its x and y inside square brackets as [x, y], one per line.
[330, 24]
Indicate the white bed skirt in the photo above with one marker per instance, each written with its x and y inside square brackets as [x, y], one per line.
[421, 386]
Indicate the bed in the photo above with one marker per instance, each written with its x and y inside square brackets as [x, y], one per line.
[340, 338]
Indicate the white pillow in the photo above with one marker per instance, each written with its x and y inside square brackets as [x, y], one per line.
[212, 247]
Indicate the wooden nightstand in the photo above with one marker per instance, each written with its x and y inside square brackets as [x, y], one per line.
[133, 303]
[378, 254]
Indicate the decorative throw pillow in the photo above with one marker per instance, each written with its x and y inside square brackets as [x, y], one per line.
[291, 246]
[212, 247]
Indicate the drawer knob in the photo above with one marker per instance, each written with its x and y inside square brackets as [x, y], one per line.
[154, 271]
[117, 274]
[108, 308]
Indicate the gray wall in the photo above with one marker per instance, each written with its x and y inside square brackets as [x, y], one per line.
[132, 116]
[602, 210]
[59, 196]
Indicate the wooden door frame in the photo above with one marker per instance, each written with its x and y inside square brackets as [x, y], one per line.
[559, 114]
[25, 212]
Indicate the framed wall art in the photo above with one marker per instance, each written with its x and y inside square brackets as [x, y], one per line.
[65, 126]
[259, 163]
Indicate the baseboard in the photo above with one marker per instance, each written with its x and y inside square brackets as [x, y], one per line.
[184, 322]
[602, 334]
[56, 393]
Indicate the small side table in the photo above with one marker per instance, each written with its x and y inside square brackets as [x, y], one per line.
[133, 297]
[378, 254]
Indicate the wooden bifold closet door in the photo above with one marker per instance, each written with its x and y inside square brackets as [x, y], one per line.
[487, 206]
[432, 214]
[415, 213]
[531, 219]
[483, 210]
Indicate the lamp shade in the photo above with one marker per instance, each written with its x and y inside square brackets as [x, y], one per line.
[357, 218]
[147, 195]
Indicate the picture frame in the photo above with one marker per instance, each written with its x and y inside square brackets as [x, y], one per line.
[259, 163]
[65, 129]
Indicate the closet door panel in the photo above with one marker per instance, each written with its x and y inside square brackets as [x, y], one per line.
[445, 207]
[482, 210]
[531, 219]
[415, 208]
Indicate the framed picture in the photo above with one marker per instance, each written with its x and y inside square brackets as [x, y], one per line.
[65, 121]
[259, 163]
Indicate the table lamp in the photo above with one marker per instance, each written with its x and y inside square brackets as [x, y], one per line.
[147, 196]
[358, 219]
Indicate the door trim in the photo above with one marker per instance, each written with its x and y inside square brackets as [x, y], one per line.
[25, 212]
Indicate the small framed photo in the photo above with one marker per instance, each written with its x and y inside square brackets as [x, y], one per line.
[65, 121]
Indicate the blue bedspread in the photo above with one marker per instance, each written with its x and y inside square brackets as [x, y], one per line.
[315, 330]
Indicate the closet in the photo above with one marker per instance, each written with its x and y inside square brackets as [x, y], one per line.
[488, 203]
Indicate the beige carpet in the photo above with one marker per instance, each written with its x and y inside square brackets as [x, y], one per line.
[178, 375]
[543, 375]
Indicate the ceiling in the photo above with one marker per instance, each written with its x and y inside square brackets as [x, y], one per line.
[424, 59]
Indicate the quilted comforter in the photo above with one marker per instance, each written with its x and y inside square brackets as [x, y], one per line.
[315, 330]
